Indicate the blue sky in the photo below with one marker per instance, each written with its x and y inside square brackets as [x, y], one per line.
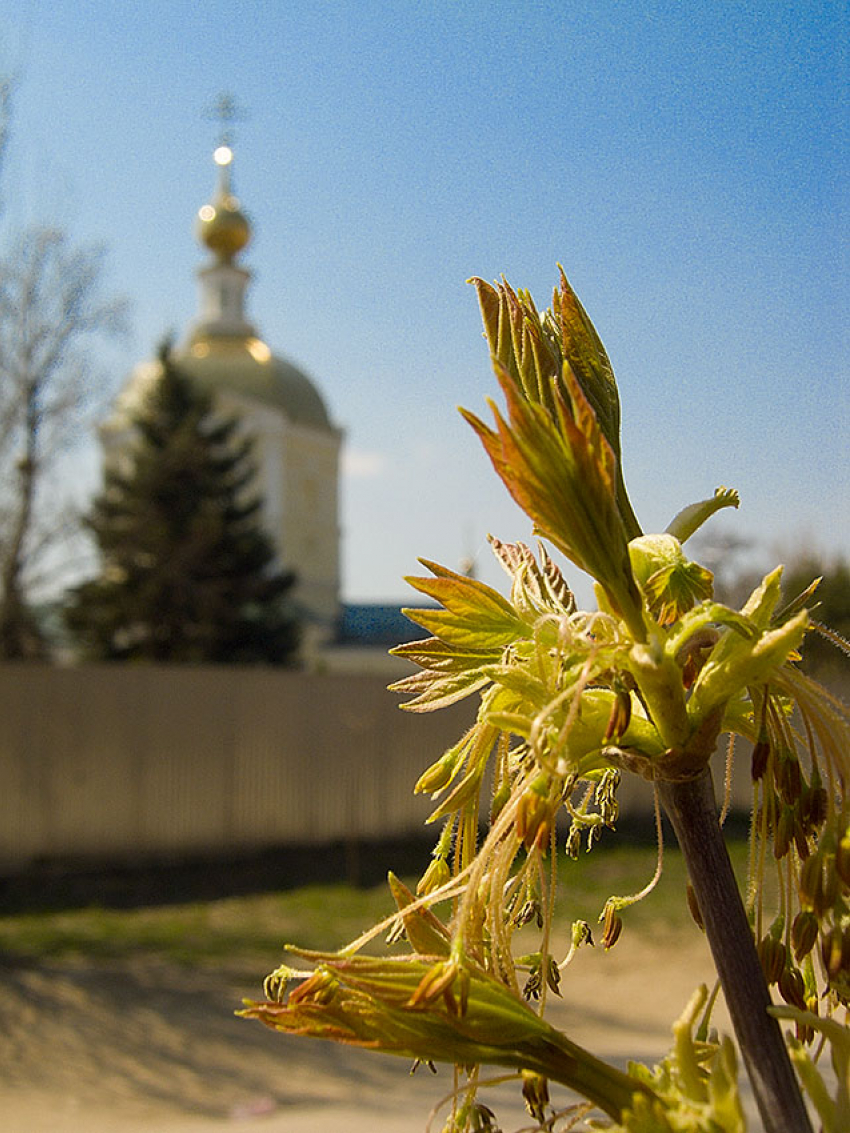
[686, 162]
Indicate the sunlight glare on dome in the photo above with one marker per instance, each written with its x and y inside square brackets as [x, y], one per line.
[258, 350]
[223, 155]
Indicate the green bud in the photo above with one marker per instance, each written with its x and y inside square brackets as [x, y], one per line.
[451, 1011]
[670, 582]
[435, 876]
[439, 774]
[740, 660]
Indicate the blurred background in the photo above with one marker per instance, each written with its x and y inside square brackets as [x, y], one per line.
[266, 214]
[687, 164]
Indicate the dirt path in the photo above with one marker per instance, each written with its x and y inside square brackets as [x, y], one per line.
[119, 1050]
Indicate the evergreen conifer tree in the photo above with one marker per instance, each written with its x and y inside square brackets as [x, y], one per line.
[187, 572]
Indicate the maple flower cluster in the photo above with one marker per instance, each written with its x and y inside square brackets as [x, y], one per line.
[568, 702]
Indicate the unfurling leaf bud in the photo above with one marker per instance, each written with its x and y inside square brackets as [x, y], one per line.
[318, 990]
[442, 980]
[669, 581]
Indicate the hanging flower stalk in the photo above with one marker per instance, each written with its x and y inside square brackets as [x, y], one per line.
[569, 701]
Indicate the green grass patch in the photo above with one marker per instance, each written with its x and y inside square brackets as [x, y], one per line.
[235, 932]
[248, 933]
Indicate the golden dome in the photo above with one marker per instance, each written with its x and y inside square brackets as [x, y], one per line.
[237, 365]
[221, 225]
[243, 365]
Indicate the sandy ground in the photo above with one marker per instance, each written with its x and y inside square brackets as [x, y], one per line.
[156, 1049]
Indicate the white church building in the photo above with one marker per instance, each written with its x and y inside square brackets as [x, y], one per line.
[296, 444]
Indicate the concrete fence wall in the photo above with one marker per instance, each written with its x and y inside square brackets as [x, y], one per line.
[121, 763]
[118, 763]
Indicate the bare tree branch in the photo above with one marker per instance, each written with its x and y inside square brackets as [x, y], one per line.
[51, 310]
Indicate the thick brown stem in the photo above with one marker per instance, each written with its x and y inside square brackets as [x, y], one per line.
[692, 810]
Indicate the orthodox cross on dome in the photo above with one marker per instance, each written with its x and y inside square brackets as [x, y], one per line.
[226, 111]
